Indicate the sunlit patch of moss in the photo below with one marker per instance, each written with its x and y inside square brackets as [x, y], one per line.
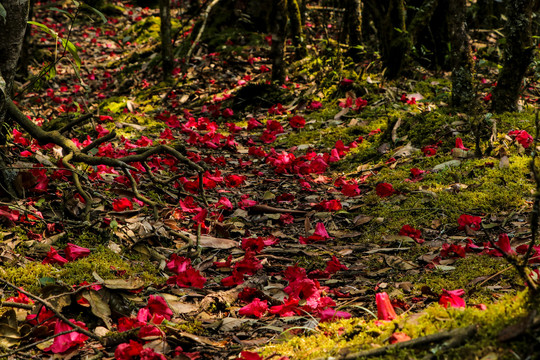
[433, 89]
[331, 339]
[27, 276]
[114, 105]
[147, 29]
[467, 269]
[194, 327]
[106, 264]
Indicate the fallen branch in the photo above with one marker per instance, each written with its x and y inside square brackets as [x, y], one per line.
[455, 337]
[59, 315]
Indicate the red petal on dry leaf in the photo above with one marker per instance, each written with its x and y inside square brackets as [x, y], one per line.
[452, 298]
[158, 305]
[288, 308]
[21, 299]
[385, 310]
[248, 355]
[54, 258]
[188, 278]
[66, 342]
[178, 264]
[398, 337]
[256, 308]
[74, 252]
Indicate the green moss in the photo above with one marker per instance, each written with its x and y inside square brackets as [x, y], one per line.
[28, 275]
[147, 29]
[106, 264]
[356, 334]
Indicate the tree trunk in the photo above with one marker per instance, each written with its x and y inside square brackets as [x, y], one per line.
[296, 29]
[277, 52]
[394, 43]
[166, 43]
[462, 60]
[518, 54]
[353, 26]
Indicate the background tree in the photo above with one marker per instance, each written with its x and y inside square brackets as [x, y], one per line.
[518, 53]
[279, 29]
[463, 94]
[166, 41]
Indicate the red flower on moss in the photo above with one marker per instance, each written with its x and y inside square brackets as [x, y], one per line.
[385, 310]
[522, 137]
[384, 189]
[297, 122]
[473, 222]
[54, 258]
[415, 234]
[452, 298]
[74, 252]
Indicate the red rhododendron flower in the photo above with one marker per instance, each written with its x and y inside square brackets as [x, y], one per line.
[408, 230]
[459, 144]
[151, 354]
[253, 244]
[149, 332]
[315, 105]
[329, 205]
[128, 351]
[188, 278]
[288, 308]
[452, 250]
[416, 175]
[74, 252]
[522, 137]
[249, 264]
[236, 278]
[256, 308]
[252, 124]
[222, 264]
[384, 189]
[385, 310]
[346, 82]
[504, 244]
[224, 203]
[333, 266]
[122, 204]
[200, 217]
[21, 299]
[471, 221]
[249, 355]
[234, 180]
[297, 122]
[332, 315]
[286, 219]
[429, 150]
[65, 342]
[54, 258]
[305, 289]
[452, 298]
[158, 305]
[398, 337]
[320, 234]
[178, 264]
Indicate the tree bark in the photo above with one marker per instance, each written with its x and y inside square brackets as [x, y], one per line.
[296, 29]
[166, 42]
[518, 54]
[463, 95]
[277, 52]
[394, 43]
[353, 26]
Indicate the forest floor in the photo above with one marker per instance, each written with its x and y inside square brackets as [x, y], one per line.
[318, 195]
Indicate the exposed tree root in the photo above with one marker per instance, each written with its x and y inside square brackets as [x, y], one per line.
[74, 154]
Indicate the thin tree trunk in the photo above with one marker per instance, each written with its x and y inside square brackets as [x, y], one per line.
[518, 54]
[166, 43]
[296, 29]
[353, 25]
[462, 60]
[279, 28]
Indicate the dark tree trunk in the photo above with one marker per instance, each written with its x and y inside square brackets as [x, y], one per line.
[394, 43]
[353, 26]
[463, 95]
[24, 60]
[518, 54]
[279, 28]
[296, 29]
[166, 43]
